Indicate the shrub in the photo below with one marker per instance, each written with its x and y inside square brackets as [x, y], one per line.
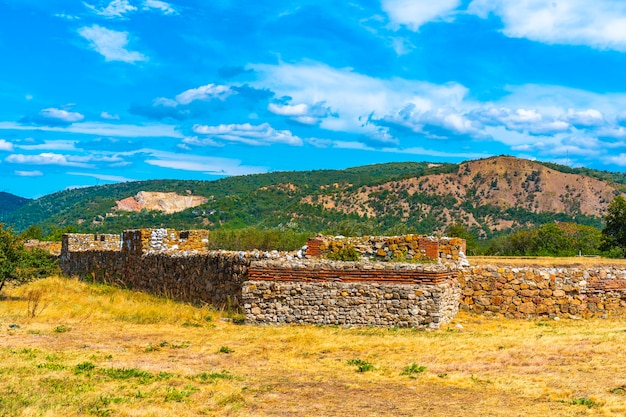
[345, 254]
[361, 365]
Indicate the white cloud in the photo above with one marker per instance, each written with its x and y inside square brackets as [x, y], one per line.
[46, 159]
[63, 115]
[6, 146]
[354, 98]
[206, 164]
[248, 134]
[110, 44]
[104, 129]
[67, 16]
[50, 145]
[600, 24]
[301, 113]
[114, 178]
[164, 7]
[584, 118]
[28, 173]
[415, 13]
[200, 142]
[522, 120]
[109, 116]
[115, 9]
[204, 92]
[616, 159]
[287, 110]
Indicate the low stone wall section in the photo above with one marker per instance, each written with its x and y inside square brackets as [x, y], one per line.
[384, 248]
[531, 292]
[350, 294]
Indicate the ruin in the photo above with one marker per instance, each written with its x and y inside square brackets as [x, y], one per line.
[406, 281]
[273, 287]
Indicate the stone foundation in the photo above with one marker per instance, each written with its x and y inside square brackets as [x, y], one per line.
[536, 292]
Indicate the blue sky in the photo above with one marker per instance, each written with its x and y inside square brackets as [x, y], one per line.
[97, 92]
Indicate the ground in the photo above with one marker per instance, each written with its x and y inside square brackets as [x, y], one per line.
[68, 348]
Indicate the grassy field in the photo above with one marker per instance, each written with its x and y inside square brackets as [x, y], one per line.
[68, 348]
[546, 261]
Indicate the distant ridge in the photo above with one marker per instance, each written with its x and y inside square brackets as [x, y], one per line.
[9, 203]
[489, 196]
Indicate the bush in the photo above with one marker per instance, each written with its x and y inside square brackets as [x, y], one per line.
[345, 254]
[18, 265]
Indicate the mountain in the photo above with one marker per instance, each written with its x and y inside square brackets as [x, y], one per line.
[488, 196]
[10, 203]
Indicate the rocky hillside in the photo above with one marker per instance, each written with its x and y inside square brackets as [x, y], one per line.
[485, 194]
[488, 196]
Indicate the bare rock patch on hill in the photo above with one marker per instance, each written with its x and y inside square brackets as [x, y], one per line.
[159, 201]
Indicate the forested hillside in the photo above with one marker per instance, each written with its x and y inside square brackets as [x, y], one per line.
[488, 197]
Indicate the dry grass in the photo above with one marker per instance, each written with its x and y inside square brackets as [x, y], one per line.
[102, 351]
[546, 261]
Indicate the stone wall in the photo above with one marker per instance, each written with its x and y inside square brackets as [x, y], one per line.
[384, 248]
[534, 292]
[272, 287]
[91, 242]
[54, 248]
[177, 265]
[166, 240]
[350, 293]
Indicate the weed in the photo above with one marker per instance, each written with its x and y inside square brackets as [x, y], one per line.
[413, 369]
[126, 373]
[584, 401]
[543, 324]
[165, 375]
[179, 395]
[34, 298]
[234, 400]
[348, 253]
[190, 324]
[442, 375]
[618, 390]
[62, 329]
[183, 345]
[51, 366]
[153, 348]
[480, 381]
[225, 349]
[213, 376]
[84, 368]
[361, 365]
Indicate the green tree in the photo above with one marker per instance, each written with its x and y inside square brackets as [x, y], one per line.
[18, 265]
[459, 230]
[614, 232]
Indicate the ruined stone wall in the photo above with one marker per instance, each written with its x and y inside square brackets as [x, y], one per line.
[166, 240]
[54, 248]
[350, 293]
[534, 292]
[90, 242]
[281, 288]
[406, 247]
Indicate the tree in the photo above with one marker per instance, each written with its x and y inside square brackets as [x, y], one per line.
[19, 265]
[614, 232]
[459, 230]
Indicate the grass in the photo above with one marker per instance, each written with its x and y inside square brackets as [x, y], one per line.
[546, 261]
[130, 354]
